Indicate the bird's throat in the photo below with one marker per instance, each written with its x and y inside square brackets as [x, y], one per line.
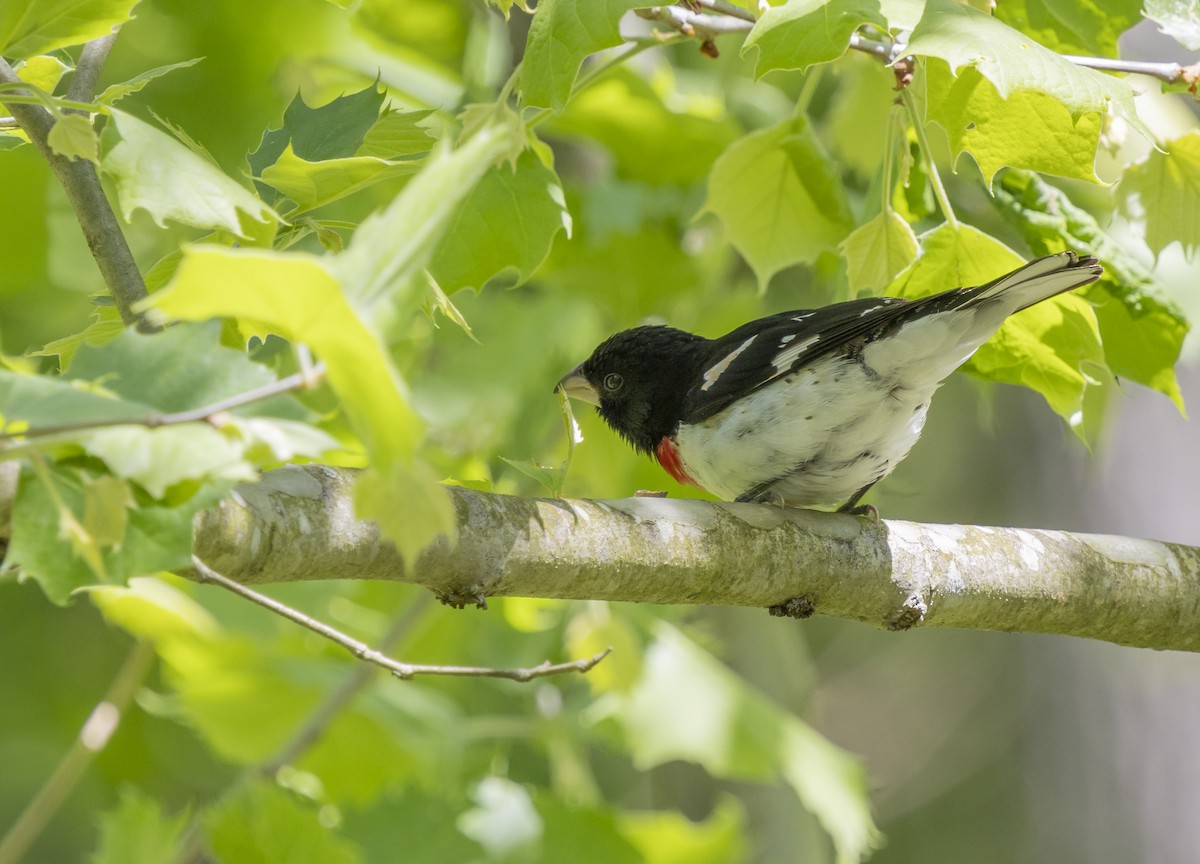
[668, 458]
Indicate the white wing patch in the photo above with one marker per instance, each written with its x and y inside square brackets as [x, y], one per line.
[717, 369]
[785, 358]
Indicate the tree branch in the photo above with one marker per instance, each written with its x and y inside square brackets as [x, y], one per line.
[82, 185]
[93, 737]
[298, 524]
[726, 18]
[404, 671]
[206, 413]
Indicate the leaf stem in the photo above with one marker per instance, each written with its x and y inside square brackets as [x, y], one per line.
[939, 191]
[403, 671]
[94, 735]
[304, 379]
[82, 185]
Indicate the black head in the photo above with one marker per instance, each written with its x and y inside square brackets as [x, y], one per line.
[638, 380]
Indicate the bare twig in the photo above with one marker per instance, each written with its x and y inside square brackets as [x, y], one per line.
[92, 738]
[404, 671]
[87, 70]
[82, 185]
[726, 18]
[206, 413]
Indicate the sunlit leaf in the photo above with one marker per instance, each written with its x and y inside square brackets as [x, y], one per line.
[29, 27]
[314, 184]
[876, 251]
[1141, 329]
[1179, 19]
[44, 71]
[73, 137]
[154, 172]
[1027, 130]
[397, 134]
[963, 36]
[1052, 347]
[152, 608]
[561, 35]
[1164, 190]
[779, 197]
[672, 838]
[114, 93]
[802, 33]
[504, 225]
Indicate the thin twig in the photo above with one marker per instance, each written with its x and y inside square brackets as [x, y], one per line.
[95, 734]
[727, 18]
[82, 185]
[206, 413]
[404, 671]
[87, 70]
[935, 179]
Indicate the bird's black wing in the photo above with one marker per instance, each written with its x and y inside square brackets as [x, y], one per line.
[762, 351]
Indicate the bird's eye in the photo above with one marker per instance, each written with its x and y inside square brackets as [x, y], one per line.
[613, 382]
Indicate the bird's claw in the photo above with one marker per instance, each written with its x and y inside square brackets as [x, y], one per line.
[793, 607]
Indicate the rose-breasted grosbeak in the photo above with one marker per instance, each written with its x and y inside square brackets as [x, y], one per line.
[809, 407]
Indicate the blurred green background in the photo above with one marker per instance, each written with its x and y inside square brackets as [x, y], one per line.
[980, 747]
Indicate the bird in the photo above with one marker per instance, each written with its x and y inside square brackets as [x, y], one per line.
[806, 408]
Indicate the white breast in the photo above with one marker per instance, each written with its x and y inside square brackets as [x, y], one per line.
[821, 433]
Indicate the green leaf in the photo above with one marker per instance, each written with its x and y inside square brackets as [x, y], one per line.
[105, 506]
[158, 459]
[963, 36]
[743, 736]
[1052, 347]
[43, 71]
[1027, 130]
[262, 824]
[1072, 26]
[157, 537]
[803, 33]
[411, 507]
[561, 35]
[876, 251]
[114, 93]
[672, 838]
[1179, 19]
[36, 400]
[332, 131]
[29, 27]
[137, 831]
[397, 134]
[381, 270]
[106, 325]
[178, 369]
[314, 184]
[150, 607]
[154, 172]
[72, 136]
[648, 140]
[1141, 329]
[295, 296]
[779, 197]
[506, 224]
[1164, 190]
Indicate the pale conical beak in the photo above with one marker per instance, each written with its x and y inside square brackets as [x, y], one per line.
[578, 387]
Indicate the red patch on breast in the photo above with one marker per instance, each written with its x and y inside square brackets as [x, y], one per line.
[668, 458]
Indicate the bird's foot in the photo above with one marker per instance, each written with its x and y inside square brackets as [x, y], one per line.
[461, 598]
[793, 607]
[868, 510]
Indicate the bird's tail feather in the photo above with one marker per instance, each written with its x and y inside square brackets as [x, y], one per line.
[1040, 279]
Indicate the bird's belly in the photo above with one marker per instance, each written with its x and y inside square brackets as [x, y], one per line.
[815, 437]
